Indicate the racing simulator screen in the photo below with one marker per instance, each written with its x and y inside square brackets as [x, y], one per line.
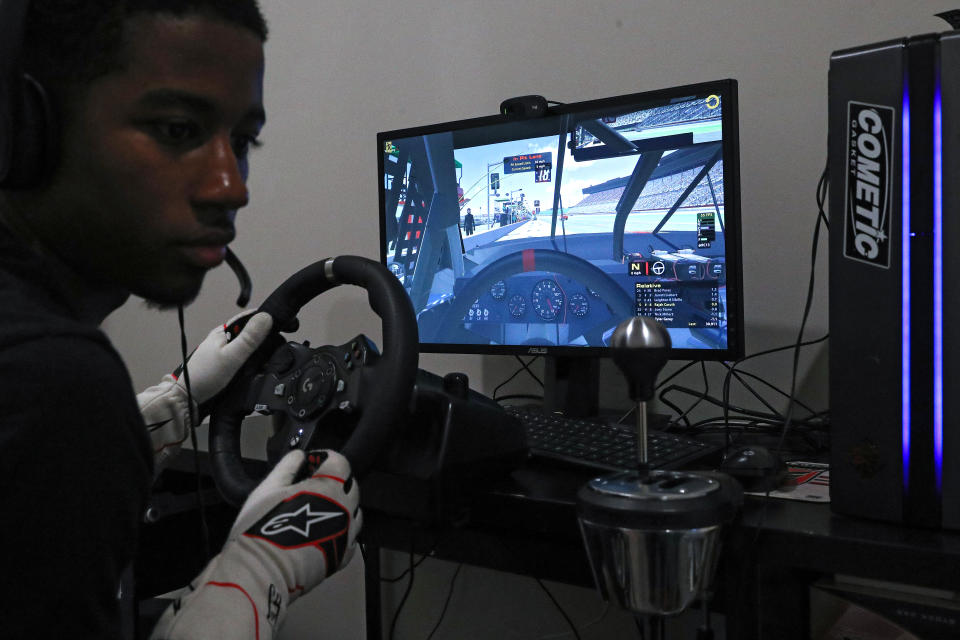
[541, 235]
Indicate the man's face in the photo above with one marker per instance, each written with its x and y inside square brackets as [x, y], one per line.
[154, 159]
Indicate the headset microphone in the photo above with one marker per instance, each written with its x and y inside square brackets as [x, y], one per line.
[246, 285]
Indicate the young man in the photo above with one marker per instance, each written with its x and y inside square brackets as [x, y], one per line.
[157, 104]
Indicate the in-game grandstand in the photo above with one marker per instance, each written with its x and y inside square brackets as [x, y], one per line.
[575, 224]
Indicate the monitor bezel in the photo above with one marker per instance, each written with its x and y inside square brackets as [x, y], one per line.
[727, 90]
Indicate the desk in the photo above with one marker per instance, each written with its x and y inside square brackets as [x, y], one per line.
[523, 523]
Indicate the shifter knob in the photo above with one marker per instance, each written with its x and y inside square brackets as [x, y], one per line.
[640, 349]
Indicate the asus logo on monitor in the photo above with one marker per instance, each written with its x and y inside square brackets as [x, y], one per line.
[537, 351]
[869, 157]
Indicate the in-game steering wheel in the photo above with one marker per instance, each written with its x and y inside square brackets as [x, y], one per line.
[451, 328]
[347, 397]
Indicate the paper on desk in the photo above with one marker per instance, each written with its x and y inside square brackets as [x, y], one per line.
[807, 481]
[858, 623]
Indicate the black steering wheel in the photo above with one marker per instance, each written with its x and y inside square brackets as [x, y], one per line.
[348, 397]
[451, 327]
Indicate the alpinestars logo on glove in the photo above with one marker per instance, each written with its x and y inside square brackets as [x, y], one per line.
[306, 519]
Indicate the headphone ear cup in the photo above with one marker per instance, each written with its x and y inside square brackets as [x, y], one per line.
[34, 134]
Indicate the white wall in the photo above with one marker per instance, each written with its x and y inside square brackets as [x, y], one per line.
[339, 71]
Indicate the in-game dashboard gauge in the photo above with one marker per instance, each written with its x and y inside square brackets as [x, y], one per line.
[517, 306]
[499, 290]
[478, 312]
[579, 305]
[547, 299]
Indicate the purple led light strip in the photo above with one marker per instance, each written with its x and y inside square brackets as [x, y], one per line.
[905, 289]
[938, 285]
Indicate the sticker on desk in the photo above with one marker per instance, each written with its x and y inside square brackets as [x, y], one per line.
[806, 481]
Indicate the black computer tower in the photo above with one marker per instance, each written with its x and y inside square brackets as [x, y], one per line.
[894, 151]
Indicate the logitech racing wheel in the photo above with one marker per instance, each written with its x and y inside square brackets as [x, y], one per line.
[348, 397]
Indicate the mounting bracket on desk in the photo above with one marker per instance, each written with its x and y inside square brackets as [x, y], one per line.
[454, 442]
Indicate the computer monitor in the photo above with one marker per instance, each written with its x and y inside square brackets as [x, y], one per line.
[540, 235]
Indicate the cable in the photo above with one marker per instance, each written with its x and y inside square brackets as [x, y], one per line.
[753, 392]
[759, 421]
[660, 384]
[406, 593]
[410, 570]
[524, 366]
[446, 603]
[641, 627]
[522, 561]
[428, 554]
[498, 387]
[185, 374]
[406, 571]
[520, 396]
[821, 196]
[650, 626]
[600, 617]
[777, 389]
[720, 403]
[731, 368]
[563, 613]
[716, 423]
[785, 420]
[822, 187]
[676, 373]
[706, 391]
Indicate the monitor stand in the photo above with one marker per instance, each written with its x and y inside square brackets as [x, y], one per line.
[572, 386]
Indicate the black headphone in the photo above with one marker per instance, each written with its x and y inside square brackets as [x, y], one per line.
[28, 128]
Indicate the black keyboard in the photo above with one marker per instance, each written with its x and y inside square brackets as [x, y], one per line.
[604, 446]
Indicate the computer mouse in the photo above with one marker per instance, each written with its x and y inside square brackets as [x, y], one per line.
[755, 466]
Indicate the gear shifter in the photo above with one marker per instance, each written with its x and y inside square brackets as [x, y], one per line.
[640, 350]
[652, 536]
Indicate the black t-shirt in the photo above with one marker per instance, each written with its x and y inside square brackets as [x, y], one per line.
[75, 461]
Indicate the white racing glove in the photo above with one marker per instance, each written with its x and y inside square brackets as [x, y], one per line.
[210, 368]
[286, 540]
